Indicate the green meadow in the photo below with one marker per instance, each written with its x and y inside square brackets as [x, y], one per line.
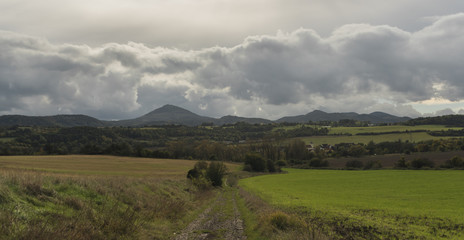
[335, 139]
[392, 128]
[380, 204]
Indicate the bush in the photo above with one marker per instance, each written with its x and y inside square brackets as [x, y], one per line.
[455, 162]
[281, 163]
[270, 166]
[256, 161]
[247, 167]
[215, 173]
[401, 163]
[201, 165]
[354, 164]
[419, 163]
[193, 173]
[283, 222]
[318, 163]
[373, 165]
[202, 176]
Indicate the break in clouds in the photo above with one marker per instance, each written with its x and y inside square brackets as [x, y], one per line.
[359, 67]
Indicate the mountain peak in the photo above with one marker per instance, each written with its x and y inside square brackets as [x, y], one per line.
[169, 108]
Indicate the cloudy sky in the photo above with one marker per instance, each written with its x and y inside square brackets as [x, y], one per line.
[119, 59]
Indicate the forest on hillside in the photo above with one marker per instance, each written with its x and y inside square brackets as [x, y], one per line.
[231, 142]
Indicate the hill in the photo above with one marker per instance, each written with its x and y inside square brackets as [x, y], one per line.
[448, 120]
[49, 121]
[168, 114]
[317, 115]
[234, 119]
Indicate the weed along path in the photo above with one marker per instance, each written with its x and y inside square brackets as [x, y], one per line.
[221, 220]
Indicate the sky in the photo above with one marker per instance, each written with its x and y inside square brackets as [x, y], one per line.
[120, 59]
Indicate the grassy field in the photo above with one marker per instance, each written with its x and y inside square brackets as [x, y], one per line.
[384, 133]
[3, 140]
[393, 128]
[96, 197]
[333, 139]
[389, 160]
[370, 204]
[104, 165]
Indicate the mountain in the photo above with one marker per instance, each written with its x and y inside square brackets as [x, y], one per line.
[168, 114]
[317, 115]
[50, 121]
[234, 119]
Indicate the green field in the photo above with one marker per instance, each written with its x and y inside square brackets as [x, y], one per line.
[384, 134]
[3, 140]
[393, 128]
[333, 139]
[370, 204]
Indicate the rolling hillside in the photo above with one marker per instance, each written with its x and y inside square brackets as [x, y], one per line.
[170, 114]
[315, 116]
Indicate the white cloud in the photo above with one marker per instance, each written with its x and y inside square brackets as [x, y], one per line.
[184, 24]
[447, 111]
[359, 67]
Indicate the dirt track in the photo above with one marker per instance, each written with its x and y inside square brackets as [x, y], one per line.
[221, 220]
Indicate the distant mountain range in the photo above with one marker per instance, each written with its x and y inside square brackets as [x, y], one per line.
[316, 116]
[170, 114]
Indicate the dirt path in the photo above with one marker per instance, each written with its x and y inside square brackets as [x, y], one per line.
[221, 220]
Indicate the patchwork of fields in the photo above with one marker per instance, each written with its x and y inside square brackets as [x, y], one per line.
[370, 204]
[382, 134]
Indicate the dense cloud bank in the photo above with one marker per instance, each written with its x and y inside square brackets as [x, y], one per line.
[359, 67]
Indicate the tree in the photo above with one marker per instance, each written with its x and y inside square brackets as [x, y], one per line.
[215, 173]
[401, 163]
[203, 174]
[354, 164]
[422, 162]
[356, 150]
[454, 162]
[256, 162]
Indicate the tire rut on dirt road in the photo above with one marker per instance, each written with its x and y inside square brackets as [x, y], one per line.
[221, 220]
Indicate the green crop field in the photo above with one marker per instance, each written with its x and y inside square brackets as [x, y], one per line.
[2, 140]
[370, 204]
[393, 128]
[334, 139]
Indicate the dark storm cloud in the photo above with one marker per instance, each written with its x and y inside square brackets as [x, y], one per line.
[359, 67]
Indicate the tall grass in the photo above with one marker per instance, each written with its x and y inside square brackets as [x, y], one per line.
[43, 205]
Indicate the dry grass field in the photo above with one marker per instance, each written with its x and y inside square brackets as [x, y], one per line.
[97, 197]
[103, 165]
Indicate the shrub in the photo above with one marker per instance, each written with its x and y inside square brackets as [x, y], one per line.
[256, 161]
[454, 162]
[202, 176]
[421, 163]
[281, 163]
[193, 173]
[201, 165]
[280, 220]
[401, 163]
[354, 164]
[270, 166]
[215, 173]
[373, 165]
[283, 222]
[318, 163]
[247, 167]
